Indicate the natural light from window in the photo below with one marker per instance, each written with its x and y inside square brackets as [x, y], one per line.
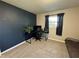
[53, 21]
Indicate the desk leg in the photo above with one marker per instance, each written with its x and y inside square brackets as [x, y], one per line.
[28, 41]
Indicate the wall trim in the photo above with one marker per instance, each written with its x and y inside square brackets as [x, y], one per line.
[25, 42]
[12, 47]
[0, 52]
[62, 41]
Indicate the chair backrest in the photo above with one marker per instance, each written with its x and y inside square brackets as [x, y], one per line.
[36, 28]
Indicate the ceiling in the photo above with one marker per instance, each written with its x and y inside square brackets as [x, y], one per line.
[42, 6]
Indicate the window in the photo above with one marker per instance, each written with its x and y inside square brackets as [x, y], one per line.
[53, 21]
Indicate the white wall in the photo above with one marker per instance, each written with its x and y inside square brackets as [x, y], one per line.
[70, 23]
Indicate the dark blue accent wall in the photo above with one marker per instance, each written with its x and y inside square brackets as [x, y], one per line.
[12, 22]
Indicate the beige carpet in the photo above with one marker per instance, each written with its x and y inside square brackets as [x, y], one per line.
[39, 49]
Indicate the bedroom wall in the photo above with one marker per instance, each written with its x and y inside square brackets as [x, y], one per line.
[12, 22]
[70, 23]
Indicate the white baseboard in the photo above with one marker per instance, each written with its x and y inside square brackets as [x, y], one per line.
[23, 43]
[12, 47]
[0, 52]
[57, 40]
